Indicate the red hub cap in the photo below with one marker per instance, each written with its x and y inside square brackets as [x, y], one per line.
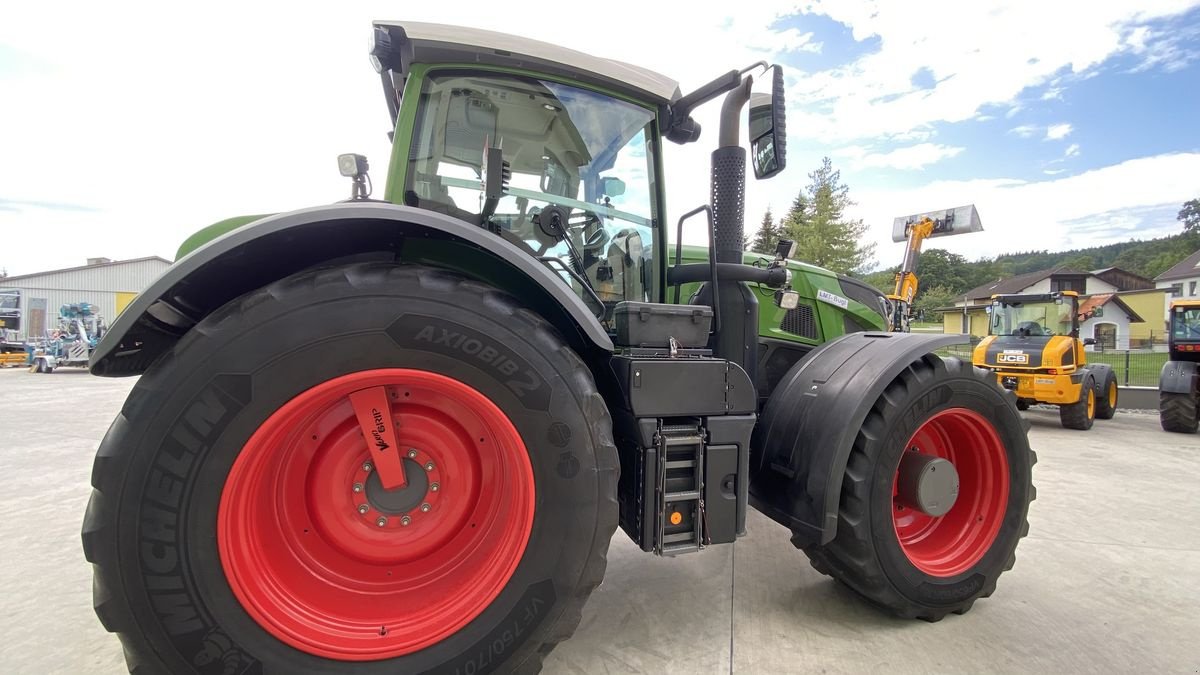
[943, 546]
[328, 560]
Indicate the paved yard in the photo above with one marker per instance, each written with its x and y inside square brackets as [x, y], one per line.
[1106, 580]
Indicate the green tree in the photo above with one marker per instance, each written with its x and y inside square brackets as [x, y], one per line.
[817, 222]
[932, 297]
[1189, 215]
[768, 235]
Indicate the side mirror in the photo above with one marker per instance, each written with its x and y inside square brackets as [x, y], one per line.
[767, 124]
[1088, 342]
[611, 186]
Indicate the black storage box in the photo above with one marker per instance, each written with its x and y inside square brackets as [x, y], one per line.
[649, 324]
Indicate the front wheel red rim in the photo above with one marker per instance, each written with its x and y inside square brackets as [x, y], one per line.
[328, 562]
[948, 545]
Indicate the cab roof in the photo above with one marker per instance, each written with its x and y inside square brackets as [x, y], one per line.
[440, 43]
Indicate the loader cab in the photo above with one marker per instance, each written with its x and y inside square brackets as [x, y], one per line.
[1033, 331]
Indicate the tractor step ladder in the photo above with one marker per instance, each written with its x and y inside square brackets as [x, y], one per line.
[680, 489]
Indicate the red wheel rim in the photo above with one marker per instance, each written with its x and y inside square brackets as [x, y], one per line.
[328, 579]
[950, 544]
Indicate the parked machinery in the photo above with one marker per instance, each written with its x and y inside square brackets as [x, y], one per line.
[79, 330]
[1179, 383]
[1033, 346]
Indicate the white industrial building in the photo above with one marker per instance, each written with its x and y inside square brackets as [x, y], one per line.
[29, 303]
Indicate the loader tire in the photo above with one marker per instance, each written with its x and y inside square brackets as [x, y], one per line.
[1106, 396]
[1081, 414]
[913, 564]
[1022, 405]
[238, 525]
[1179, 413]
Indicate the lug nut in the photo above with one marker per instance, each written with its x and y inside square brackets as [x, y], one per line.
[412, 452]
[425, 508]
[367, 466]
[381, 522]
[357, 487]
[429, 466]
[405, 520]
[434, 487]
[363, 508]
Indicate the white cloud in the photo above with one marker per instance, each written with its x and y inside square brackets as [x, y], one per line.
[971, 51]
[1052, 172]
[905, 158]
[1057, 132]
[1025, 130]
[1139, 197]
[1171, 50]
[1072, 150]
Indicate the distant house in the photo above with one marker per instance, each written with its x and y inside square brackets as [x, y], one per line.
[1107, 319]
[1182, 280]
[1131, 309]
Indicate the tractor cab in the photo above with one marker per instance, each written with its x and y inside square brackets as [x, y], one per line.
[557, 151]
[1184, 336]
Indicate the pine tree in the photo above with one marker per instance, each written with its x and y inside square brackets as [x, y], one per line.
[768, 235]
[818, 224]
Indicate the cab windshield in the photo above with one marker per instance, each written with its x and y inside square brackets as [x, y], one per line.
[589, 154]
[1185, 323]
[1031, 319]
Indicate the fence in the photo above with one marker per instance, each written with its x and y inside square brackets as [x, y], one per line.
[1133, 368]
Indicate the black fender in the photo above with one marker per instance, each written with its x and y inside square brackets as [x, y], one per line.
[1179, 377]
[270, 249]
[824, 399]
[1099, 371]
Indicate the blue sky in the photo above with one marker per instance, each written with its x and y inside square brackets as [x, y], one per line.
[126, 126]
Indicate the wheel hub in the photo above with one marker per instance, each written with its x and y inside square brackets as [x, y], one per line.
[401, 500]
[927, 483]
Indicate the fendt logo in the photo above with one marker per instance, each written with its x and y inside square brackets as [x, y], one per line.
[1012, 357]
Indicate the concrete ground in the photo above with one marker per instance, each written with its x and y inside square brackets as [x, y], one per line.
[1106, 580]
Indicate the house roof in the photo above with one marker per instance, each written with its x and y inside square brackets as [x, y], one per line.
[1088, 306]
[1015, 284]
[1188, 267]
[6, 280]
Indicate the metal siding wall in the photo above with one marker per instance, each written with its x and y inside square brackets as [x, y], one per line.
[97, 285]
[132, 276]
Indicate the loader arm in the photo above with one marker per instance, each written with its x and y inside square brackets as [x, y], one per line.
[906, 277]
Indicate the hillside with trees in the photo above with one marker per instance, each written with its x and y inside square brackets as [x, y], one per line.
[824, 237]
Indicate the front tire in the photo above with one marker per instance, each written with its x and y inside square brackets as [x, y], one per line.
[1106, 396]
[1081, 414]
[228, 528]
[913, 564]
[1179, 413]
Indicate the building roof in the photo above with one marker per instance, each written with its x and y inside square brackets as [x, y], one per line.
[22, 277]
[440, 43]
[1015, 284]
[1088, 307]
[1123, 279]
[1188, 267]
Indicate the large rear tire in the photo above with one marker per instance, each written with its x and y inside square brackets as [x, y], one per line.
[1081, 414]
[1106, 396]
[1179, 413]
[237, 526]
[913, 564]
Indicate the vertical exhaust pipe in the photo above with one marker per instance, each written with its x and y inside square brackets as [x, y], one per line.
[737, 339]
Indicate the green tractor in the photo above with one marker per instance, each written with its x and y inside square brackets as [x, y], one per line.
[397, 435]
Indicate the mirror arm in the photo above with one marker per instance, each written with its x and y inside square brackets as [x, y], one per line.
[731, 113]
